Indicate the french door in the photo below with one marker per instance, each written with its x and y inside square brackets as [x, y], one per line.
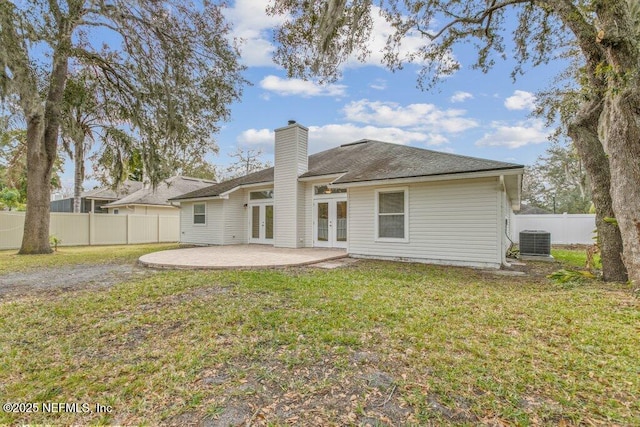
[261, 224]
[330, 223]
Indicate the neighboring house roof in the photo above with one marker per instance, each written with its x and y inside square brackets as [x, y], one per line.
[108, 193]
[368, 160]
[165, 190]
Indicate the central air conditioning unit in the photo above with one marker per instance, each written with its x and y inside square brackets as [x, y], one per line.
[535, 243]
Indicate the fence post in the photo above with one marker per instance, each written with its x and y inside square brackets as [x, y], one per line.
[158, 229]
[91, 228]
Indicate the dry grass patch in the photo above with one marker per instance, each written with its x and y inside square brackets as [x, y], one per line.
[10, 261]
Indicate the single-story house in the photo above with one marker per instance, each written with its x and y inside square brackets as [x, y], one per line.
[94, 200]
[150, 201]
[373, 198]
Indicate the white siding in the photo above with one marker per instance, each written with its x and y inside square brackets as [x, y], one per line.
[122, 210]
[290, 162]
[450, 222]
[235, 218]
[210, 233]
[308, 213]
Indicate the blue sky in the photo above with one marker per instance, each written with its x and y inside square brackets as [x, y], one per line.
[469, 113]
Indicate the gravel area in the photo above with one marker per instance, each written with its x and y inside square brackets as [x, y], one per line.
[68, 278]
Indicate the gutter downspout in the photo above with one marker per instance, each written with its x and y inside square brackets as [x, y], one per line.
[504, 221]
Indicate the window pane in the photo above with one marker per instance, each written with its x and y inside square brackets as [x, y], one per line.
[323, 189]
[268, 228]
[341, 221]
[198, 213]
[391, 202]
[391, 226]
[323, 222]
[255, 222]
[261, 195]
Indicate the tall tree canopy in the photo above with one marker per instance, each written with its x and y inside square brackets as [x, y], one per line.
[557, 181]
[319, 36]
[246, 161]
[167, 66]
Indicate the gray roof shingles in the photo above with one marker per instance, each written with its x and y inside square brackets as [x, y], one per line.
[368, 160]
[108, 193]
[165, 190]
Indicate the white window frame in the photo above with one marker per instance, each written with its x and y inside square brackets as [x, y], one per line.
[193, 215]
[377, 237]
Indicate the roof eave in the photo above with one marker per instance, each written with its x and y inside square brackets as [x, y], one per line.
[243, 186]
[331, 177]
[155, 205]
[429, 178]
[197, 199]
[97, 198]
[224, 194]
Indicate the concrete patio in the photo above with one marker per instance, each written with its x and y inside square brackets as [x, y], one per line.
[238, 257]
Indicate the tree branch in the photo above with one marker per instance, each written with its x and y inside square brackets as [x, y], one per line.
[478, 19]
[16, 59]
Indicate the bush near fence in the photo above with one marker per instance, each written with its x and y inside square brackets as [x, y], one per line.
[79, 229]
[565, 229]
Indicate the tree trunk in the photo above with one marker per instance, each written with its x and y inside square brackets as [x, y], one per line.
[78, 178]
[583, 131]
[620, 123]
[42, 150]
[36, 225]
[620, 126]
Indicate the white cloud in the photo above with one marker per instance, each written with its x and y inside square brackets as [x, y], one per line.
[332, 135]
[260, 137]
[380, 32]
[520, 100]
[523, 133]
[379, 84]
[420, 116]
[287, 87]
[460, 96]
[253, 27]
[434, 139]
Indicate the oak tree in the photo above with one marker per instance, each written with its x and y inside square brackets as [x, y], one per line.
[168, 64]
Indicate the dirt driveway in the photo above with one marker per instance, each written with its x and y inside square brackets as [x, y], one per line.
[67, 278]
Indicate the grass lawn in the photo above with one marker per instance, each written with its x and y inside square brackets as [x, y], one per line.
[10, 261]
[374, 343]
[573, 258]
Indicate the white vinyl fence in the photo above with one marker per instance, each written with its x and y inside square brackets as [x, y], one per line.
[75, 229]
[565, 229]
